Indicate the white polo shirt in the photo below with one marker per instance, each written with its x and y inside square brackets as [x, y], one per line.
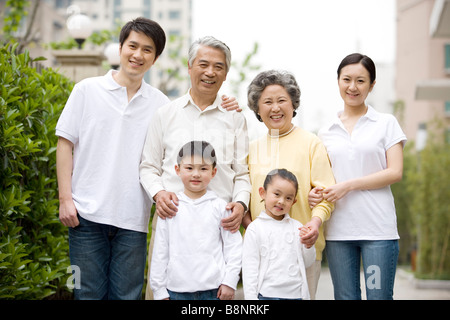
[362, 214]
[108, 134]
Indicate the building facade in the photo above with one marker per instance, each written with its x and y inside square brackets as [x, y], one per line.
[174, 16]
[423, 64]
[170, 71]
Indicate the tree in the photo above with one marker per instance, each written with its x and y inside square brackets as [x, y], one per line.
[14, 16]
[243, 69]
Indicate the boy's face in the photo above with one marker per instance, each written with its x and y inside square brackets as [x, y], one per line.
[137, 54]
[195, 174]
[279, 197]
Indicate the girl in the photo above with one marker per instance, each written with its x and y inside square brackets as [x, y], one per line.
[274, 261]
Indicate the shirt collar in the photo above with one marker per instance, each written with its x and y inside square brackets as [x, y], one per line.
[189, 101]
[371, 114]
[111, 84]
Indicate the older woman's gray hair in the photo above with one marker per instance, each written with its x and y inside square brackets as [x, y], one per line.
[209, 41]
[272, 77]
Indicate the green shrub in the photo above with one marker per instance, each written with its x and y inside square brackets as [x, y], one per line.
[422, 200]
[430, 187]
[33, 243]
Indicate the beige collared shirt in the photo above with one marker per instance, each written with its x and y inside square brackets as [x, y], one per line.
[182, 121]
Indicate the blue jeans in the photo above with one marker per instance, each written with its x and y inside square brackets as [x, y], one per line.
[379, 259]
[198, 295]
[110, 260]
[261, 297]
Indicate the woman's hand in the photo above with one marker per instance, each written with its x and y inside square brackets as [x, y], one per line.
[310, 232]
[336, 192]
[230, 104]
[315, 196]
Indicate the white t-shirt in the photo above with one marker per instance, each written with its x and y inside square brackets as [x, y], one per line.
[108, 134]
[362, 214]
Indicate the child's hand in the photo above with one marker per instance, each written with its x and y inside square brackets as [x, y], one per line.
[303, 232]
[225, 292]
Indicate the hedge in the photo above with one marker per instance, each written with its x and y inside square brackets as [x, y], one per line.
[33, 243]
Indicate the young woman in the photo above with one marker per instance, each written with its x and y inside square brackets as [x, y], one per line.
[366, 152]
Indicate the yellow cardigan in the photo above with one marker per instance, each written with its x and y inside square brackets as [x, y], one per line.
[304, 154]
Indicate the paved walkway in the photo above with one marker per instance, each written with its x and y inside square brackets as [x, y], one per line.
[405, 288]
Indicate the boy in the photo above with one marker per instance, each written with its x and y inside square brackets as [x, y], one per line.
[194, 258]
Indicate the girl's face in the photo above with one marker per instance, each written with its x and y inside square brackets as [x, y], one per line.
[276, 109]
[279, 197]
[354, 85]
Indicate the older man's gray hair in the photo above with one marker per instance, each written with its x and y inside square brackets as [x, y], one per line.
[209, 41]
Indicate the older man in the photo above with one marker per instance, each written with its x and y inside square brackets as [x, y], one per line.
[198, 115]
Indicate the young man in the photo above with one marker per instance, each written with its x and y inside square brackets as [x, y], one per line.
[104, 124]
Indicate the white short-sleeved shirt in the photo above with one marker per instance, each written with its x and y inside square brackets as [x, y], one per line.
[362, 214]
[108, 134]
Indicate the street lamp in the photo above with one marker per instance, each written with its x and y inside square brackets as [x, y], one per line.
[421, 136]
[112, 55]
[80, 27]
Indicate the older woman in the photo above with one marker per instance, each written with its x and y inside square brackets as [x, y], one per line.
[274, 96]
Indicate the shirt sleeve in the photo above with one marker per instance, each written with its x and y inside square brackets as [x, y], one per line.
[69, 122]
[160, 260]
[150, 169]
[394, 133]
[250, 264]
[321, 176]
[232, 251]
[242, 186]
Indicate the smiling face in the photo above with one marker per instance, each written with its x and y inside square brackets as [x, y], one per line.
[137, 55]
[354, 85]
[195, 174]
[278, 197]
[208, 71]
[276, 109]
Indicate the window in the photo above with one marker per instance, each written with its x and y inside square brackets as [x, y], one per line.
[174, 14]
[447, 108]
[447, 58]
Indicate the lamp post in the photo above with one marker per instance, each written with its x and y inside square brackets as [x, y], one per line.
[112, 55]
[421, 137]
[80, 27]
